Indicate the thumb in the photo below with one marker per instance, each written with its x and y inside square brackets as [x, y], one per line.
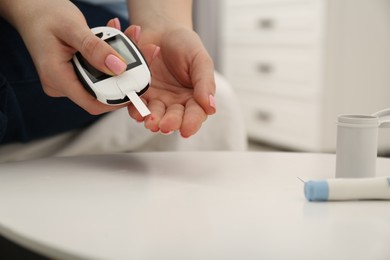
[98, 53]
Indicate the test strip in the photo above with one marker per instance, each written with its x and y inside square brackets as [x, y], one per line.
[139, 105]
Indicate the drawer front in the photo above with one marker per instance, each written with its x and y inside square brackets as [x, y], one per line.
[235, 3]
[287, 122]
[293, 72]
[296, 23]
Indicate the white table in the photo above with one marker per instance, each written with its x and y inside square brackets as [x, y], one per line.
[206, 205]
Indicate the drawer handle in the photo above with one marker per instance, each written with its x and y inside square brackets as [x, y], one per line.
[265, 68]
[266, 23]
[263, 116]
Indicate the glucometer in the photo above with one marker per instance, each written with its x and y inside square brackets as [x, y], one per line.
[121, 89]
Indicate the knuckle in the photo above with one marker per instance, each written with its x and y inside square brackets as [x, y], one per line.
[89, 45]
[48, 91]
[46, 85]
[47, 82]
[94, 111]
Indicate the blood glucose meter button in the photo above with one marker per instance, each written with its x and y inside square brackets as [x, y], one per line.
[100, 35]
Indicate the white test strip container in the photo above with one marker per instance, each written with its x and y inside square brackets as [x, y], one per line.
[357, 146]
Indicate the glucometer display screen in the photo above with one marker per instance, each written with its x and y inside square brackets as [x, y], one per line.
[124, 50]
[119, 45]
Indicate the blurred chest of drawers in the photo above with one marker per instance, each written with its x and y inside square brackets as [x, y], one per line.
[297, 64]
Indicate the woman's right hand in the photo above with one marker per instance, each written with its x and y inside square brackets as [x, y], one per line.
[53, 31]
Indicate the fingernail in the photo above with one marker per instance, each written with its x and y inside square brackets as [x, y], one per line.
[137, 33]
[167, 133]
[115, 64]
[117, 23]
[156, 52]
[212, 102]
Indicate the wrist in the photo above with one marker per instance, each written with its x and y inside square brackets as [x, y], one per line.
[156, 18]
[154, 34]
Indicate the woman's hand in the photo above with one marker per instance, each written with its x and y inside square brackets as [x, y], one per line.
[53, 31]
[182, 92]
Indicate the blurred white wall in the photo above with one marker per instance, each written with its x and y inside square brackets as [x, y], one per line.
[206, 15]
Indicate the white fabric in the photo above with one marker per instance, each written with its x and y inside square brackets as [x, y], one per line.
[117, 132]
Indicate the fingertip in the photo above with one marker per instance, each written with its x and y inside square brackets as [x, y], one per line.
[114, 23]
[133, 113]
[117, 23]
[115, 64]
[212, 105]
[134, 33]
[150, 52]
[137, 35]
[156, 52]
[190, 125]
[152, 123]
[184, 135]
[166, 133]
[206, 101]
[188, 132]
[194, 116]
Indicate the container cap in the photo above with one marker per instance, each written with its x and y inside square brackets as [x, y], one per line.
[358, 121]
[316, 190]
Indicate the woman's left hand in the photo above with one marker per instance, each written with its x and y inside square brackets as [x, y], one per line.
[181, 95]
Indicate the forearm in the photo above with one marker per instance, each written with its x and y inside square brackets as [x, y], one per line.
[161, 15]
[10, 10]
[25, 14]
